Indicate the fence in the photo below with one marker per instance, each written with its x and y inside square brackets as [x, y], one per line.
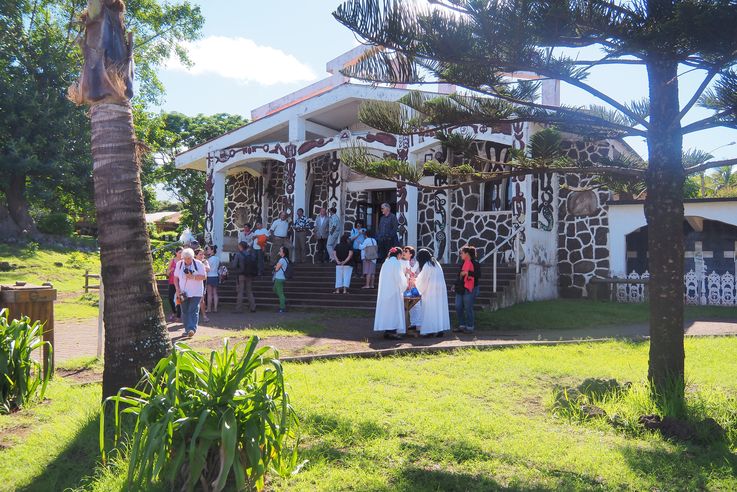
[706, 290]
[87, 277]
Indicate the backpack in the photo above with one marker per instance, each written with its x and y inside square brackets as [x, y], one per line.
[289, 270]
[261, 240]
[371, 252]
[223, 273]
[250, 264]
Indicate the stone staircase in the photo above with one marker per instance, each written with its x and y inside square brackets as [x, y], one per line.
[313, 286]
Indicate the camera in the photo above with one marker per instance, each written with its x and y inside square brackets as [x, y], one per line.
[187, 271]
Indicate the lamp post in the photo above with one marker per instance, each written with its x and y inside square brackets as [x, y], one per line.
[703, 173]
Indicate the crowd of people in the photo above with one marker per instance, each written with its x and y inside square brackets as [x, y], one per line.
[195, 273]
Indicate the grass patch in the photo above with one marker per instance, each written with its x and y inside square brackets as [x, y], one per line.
[468, 420]
[565, 314]
[81, 364]
[64, 268]
[51, 446]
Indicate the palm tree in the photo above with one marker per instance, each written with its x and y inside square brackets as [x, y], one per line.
[721, 178]
[135, 330]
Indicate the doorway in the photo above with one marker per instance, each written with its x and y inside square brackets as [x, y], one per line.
[370, 211]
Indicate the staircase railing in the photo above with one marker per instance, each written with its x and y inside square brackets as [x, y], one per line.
[514, 236]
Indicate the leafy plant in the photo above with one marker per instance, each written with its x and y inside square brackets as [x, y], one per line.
[58, 223]
[209, 423]
[21, 377]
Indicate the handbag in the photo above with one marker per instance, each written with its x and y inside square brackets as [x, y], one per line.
[371, 252]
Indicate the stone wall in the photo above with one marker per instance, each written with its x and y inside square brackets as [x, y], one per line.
[243, 194]
[583, 236]
[350, 209]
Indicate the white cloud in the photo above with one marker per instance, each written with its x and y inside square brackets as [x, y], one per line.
[243, 60]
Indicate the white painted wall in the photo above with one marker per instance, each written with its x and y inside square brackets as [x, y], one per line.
[626, 218]
[541, 253]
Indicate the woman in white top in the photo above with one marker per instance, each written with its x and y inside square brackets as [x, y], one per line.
[280, 277]
[369, 252]
[434, 319]
[213, 278]
[389, 316]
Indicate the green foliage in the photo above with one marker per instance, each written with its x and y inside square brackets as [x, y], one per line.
[58, 223]
[44, 138]
[222, 421]
[21, 377]
[168, 134]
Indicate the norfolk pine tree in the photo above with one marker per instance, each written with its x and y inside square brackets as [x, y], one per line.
[476, 44]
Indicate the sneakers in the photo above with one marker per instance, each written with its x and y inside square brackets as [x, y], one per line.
[459, 329]
[190, 333]
[468, 330]
[282, 311]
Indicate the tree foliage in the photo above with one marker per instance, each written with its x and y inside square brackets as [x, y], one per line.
[168, 134]
[44, 138]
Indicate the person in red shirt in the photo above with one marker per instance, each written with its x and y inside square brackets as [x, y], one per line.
[176, 310]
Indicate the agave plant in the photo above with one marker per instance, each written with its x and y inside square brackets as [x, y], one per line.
[21, 377]
[208, 422]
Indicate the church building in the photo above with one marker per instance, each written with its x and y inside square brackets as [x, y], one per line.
[558, 239]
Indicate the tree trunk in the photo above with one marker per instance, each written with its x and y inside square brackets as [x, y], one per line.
[664, 212]
[135, 330]
[15, 196]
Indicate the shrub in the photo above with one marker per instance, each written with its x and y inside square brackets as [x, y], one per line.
[56, 223]
[208, 423]
[21, 377]
[76, 260]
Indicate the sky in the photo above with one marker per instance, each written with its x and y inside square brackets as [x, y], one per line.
[255, 51]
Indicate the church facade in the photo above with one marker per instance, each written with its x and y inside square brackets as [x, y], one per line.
[288, 158]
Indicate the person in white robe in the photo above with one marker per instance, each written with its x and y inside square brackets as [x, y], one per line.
[434, 316]
[411, 267]
[389, 316]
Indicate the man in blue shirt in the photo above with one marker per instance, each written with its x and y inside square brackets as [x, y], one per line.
[388, 228]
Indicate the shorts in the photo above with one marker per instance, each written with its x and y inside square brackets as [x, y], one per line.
[214, 281]
[369, 267]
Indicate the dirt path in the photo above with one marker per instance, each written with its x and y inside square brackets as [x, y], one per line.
[330, 334]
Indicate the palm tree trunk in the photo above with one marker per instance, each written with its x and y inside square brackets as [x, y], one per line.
[664, 214]
[135, 330]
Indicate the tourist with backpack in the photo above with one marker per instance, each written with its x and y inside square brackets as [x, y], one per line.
[282, 271]
[369, 253]
[246, 268]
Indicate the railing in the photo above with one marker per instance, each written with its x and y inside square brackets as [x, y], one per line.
[712, 290]
[87, 277]
[494, 254]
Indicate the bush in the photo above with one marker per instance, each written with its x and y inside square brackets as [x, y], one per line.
[218, 422]
[56, 223]
[21, 377]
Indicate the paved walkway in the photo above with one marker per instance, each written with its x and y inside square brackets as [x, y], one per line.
[341, 335]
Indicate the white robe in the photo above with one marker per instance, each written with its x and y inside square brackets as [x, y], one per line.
[415, 316]
[434, 315]
[390, 298]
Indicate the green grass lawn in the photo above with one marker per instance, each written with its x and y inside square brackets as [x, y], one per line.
[64, 268]
[468, 420]
[563, 314]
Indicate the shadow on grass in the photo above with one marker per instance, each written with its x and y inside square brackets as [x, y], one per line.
[687, 467]
[70, 469]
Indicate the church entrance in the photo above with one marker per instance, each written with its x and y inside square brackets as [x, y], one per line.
[370, 211]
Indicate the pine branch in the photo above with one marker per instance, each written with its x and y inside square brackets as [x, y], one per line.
[710, 165]
[697, 94]
[713, 121]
